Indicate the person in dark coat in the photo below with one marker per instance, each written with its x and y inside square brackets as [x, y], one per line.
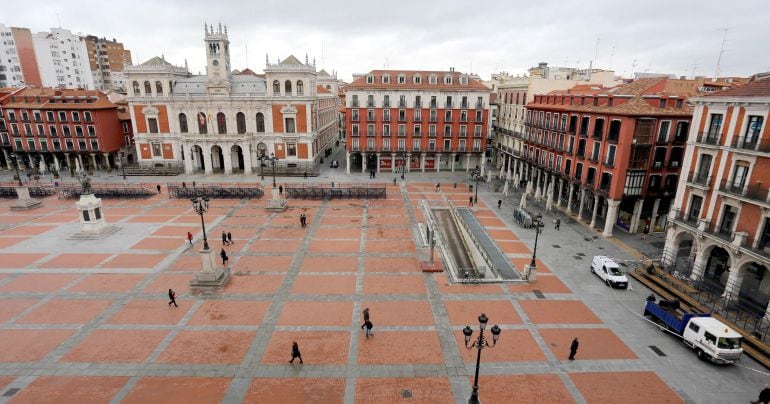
[499, 203]
[438, 187]
[368, 328]
[573, 349]
[470, 201]
[224, 256]
[366, 317]
[224, 238]
[295, 354]
[280, 189]
[229, 238]
[764, 396]
[558, 224]
[158, 188]
[172, 297]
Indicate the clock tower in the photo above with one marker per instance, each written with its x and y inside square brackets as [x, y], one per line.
[218, 60]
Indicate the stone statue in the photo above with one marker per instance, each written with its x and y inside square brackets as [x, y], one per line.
[86, 184]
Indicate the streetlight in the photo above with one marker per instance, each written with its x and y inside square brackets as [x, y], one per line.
[272, 162]
[16, 167]
[200, 206]
[480, 343]
[123, 164]
[538, 225]
[476, 176]
[262, 159]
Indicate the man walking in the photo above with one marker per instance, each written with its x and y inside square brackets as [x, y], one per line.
[368, 328]
[224, 256]
[557, 224]
[295, 354]
[280, 189]
[438, 187]
[366, 317]
[573, 349]
[189, 238]
[224, 238]
[764, 396]
[158, 188]
[470, 201]
[229, 238]
[172, 297]
[305, 174]
[499, 203]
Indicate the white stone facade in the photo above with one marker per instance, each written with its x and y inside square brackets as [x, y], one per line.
[10, 66]
[62, 59]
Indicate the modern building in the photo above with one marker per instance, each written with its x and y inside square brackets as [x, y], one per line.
[62, 59]
[107, 59]
[51, 129]
[512, 96]
[612, 155]
[224, 122]
[434, 120]
[18, 65]
[721, 213]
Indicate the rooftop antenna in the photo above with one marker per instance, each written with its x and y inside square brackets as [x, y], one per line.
[633, 67]
[721, 52]
[322, 52]
[386, 65]
[596, 50]
[247, 53]
[612, 54]
[692, 72]
[58, 19]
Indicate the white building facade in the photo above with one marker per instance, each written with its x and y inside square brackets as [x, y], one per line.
[62, 59]
[10, 65]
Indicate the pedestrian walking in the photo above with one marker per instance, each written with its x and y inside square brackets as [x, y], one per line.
[189, 237]
[224, 256]
[394, 180]
[193, 184]
[557, 224]
[305, 174]
[184, 185]
[295, 354]
[470, 201]
[646, 231]
[229, 238]
[476, 199]
[368, 328]
[366, 317]
[172, 298]
[573, 349]
[224, 238]
[438, 187]
[158, 186]
[280, 189]
[499, 203]
[374, 173]
[302, 220]
[764, 396]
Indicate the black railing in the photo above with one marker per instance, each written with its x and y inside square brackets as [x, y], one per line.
[700, 179]
[751, 143]
[220, 191]
[708, 138]
[336, 191]
[757, 191]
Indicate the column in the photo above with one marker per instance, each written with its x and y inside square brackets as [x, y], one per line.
[549, 194]
[634, 225]
[8, 159]
[408, 163]
[468, 163]
[207, 160]
[31, 163]
[655, 206]
[93, 161]
[670, 249]
[454, 155]
[570, 196]
[699, 264]
[56, 163]
[347, 163]
[437, 161]
[612, 217]
[79, 161]
[188, 162]
[107, 161]
[246, 158]
[561, 189]
[364, 160]
[582, 202]
[422, 162]
[733, 286]
[595, 211]
[393, 163]
[228, 163]
[378, 162]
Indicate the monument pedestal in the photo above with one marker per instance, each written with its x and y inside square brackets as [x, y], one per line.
[93, 225]
[211, 275]
[276, 203]
[530, 273]
[24, 201]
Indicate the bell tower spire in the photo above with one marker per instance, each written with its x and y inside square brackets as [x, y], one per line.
[218, 60]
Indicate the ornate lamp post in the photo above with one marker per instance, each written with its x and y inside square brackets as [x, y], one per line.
[476, 176]
[123, 164]
[480, 343]
[538, 228]
[15, 160]
[200, 205]
[273, 159]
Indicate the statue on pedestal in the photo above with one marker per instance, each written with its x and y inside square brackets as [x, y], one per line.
[85, 183]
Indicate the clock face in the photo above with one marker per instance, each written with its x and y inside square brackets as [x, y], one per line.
[215, 62]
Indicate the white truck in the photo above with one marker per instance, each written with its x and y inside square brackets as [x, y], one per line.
[710, 338]
[609, 272]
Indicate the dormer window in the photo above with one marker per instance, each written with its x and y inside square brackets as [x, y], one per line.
[401, 79]
[464, 80]
[369, 79]
[417, 79]
[448, 80]
[432, 79]
[385, 79]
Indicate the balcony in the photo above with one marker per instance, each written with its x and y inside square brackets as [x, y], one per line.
[370, 134]
[434, 105]
[638, 164]
[709, 138]
[386, 104]
[699, 179]
[370, 118]
[402, 104]
[89, 119]
[40, 120]
[401, 134]
[657, 165]
[386, 148]
[755, 192]
[355, 148]
[642, 139]
[479, 105]
[674, 164]
[12, 119]
[402, 118]
[462, 149]
[477, 149]
[447, 105]
[593, 159]
[433, 134]
[752, 143]
[25, 119]
[418, 104]
[354, 104]
[464, 105]
[370, 104]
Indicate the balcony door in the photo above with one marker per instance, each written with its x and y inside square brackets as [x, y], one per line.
[739, 175]
[695, 205]
[705, 166]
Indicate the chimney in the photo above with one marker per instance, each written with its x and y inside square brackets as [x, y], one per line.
[451, 69]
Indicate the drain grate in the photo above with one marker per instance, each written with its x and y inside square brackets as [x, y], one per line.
[406, 393]
[577, 257]
[657, 350]
[556, 246]
[11, 392]
[539, 294]
[587, 238]
[581, 254]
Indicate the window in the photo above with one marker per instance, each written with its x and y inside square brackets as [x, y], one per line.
[417, 131]
[678, 104]
[663, 131]
[584, 125]
[87, 116]
[291, 148]
[447, 145]
[386, 130]
[370, 115]
[402, 130]
[354, 129]
[598, 128]
[369, 79]
[386, 115]
[91, 130]
[147, 88]
[354, 101]
[401, 79]
[290, 125]
[49, 116]
[595, 151]
[681, 131]
[370, 130]
[158, 88]
[152, 125]
[739, 175]
[287, 87]
[240, 122]
[369, 100]
[370, 143]
[402, 115]
[136, 88]
[463, 130]
[52, 130]
[753, 129]
[66, 131]
[386, 101]
[477, 130]
[276, 87]
[156, 150]
[300, 88]
[75, 116]
[662, 103]
[202, 124]
[417, 79]
[447, 116]
[221, 123]
[614, 133]
[448, 80]
[728, 219]
[416, 144]
[432, 79]
[183, 123]
[385, 79]
[715, 126]
[447, 130]
[417, 115]
[386, 144]
[432, 130]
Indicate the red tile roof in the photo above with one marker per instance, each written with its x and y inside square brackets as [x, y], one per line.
[758, 86]
[322, 90]
[56, 98]
[361, 84]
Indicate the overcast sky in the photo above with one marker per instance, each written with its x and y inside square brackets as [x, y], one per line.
[484, 37]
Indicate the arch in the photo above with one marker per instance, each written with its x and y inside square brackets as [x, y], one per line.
[147, 88]
[755, 288]
[240, 122]
[287, 87]
[217, 158]
[236, 157]
[276, 87]
[328, 87]
[260, 122]
[196, 156]
[202, 124]
[300, 88]
[261, 150]
[182, 123]
[221, 123]
[136, 88]
[717, 267]
[158, 88]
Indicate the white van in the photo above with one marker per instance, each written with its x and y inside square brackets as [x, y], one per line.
[713, 340]
[609, 271]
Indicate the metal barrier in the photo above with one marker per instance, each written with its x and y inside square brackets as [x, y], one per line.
[523, 217]
[217, 191]
[66, 191]
[8, 190]
[332, 191]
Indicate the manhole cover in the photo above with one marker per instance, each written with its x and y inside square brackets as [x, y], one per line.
[577, 257]
[406, 393]
[657, 350]
[12, 391]
[556, 246]
[539, 294]
[601, 248]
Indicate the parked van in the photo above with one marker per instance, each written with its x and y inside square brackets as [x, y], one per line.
[609, 272]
